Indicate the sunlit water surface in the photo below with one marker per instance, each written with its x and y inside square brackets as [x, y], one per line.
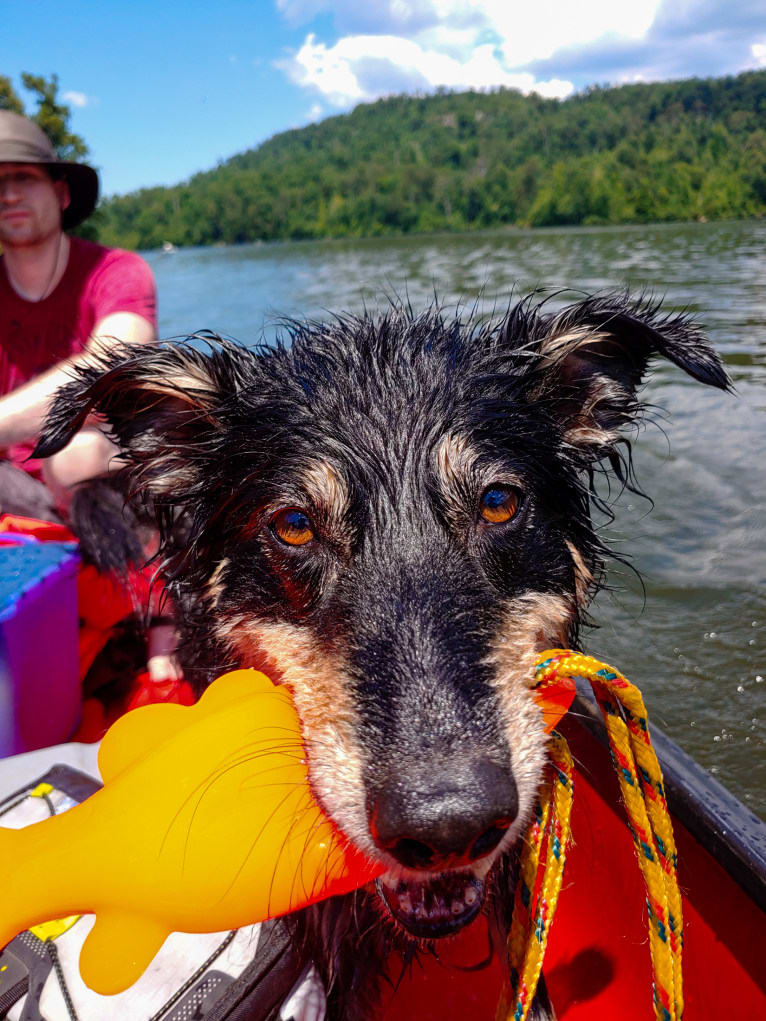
[695, 638]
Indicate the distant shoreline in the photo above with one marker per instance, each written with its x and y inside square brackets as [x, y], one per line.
[511, 229]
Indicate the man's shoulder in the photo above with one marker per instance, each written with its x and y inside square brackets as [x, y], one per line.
[93, 256]
[112, 280]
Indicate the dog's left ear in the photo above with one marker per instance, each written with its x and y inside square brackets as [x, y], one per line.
[161, 404]
[592, 358]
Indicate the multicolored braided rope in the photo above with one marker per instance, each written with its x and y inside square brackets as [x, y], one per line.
[542, 861]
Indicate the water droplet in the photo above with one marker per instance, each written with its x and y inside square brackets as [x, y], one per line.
[740, 688]
[714, 769]
[717, 737]
[758, 679]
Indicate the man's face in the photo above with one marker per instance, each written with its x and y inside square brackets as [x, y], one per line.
[31, 204]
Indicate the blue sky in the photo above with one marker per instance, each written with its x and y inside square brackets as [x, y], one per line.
[161, 90]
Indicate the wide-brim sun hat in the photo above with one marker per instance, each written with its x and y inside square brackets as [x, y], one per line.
[22, 141]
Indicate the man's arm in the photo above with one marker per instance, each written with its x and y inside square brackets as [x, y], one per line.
[23, 411]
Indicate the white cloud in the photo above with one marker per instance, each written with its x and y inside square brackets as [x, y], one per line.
[410, 45]
[327, 70]
[537, 30]
[78, 99]
[547, 46]
[359, 68]
[554, 88]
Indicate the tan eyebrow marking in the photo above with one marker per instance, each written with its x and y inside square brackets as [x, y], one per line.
[327, 489]
[459, 479]
[455, 459]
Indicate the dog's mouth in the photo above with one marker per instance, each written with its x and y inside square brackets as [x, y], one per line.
[434, 907]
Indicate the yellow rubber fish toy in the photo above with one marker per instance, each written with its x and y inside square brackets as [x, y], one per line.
[206, 822]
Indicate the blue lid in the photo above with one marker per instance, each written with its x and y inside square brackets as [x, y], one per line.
[24, 567]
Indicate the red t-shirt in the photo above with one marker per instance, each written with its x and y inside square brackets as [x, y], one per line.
[34, 336]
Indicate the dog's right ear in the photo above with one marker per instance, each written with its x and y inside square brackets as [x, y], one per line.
[158, 403]
[593, 357]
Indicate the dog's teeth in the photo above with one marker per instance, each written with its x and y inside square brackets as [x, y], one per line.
[434, 907]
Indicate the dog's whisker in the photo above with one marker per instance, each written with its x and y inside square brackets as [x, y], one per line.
[291, 793]
[235, 760]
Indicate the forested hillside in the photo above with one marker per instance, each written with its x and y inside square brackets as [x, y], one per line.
[455, 161]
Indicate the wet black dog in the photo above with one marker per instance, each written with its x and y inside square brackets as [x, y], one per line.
[393, 516]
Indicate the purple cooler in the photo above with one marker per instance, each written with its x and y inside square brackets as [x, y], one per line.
[40, 695]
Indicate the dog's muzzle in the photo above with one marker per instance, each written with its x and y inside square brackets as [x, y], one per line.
[441, 828]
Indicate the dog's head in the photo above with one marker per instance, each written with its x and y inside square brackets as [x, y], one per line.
[392, 516]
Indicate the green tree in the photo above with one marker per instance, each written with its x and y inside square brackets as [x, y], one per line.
[8, 97]
[53, 116]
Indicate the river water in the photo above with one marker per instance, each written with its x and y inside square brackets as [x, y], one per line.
[694, 636]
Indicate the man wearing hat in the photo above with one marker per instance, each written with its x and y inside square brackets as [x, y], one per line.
[60, 297]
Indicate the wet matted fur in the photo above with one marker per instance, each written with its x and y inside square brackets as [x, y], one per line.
[392, 515]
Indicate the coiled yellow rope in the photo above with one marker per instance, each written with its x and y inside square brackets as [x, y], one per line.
[542, 861]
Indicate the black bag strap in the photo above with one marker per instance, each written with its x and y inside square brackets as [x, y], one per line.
[266, 982]
[70, 781]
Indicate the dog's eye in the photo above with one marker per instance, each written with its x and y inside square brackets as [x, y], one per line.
[498, 504]
[292, 526]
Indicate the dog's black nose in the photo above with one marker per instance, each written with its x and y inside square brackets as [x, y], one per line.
[448, 818]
